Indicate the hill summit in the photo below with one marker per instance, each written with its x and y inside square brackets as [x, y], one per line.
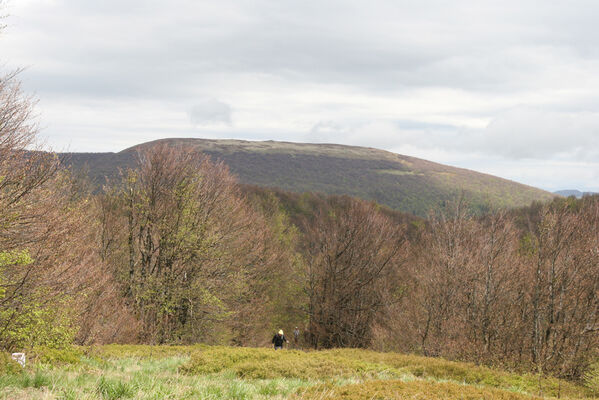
[401, 182]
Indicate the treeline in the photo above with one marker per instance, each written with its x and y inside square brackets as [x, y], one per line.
[196, 257]
[176, 251]
[514, 288]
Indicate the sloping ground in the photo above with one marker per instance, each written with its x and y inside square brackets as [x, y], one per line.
[403, 183]
[204, 372]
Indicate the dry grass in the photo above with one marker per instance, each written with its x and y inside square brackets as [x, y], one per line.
[205, 372]
[367, 365]
[414, 390]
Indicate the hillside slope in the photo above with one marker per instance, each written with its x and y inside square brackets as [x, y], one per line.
[404, 183]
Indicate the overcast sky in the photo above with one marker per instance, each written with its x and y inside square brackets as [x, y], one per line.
[506, 87]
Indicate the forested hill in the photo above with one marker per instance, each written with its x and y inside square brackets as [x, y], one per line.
[403, 183]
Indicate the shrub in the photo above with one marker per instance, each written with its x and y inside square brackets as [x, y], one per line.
[48, 355]
[8, 366]
[36, 322]
[116, 351]
[591, 378]
[268, 364]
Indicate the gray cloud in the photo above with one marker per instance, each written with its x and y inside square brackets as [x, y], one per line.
[515, 134]
[210, 111]
[516, 80]
[520, 133]
[387, 45]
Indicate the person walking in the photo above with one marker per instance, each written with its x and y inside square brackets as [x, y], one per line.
[279, 339]
[296, 334]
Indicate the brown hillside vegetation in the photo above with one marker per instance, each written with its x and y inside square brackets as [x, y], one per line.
[403, 183]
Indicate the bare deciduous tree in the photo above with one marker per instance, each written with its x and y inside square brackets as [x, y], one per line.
[353, 255]
[488, 290]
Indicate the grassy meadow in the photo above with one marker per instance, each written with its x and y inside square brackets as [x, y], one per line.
[211, 372]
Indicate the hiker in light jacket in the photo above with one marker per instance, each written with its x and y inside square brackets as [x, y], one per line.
[278, 340]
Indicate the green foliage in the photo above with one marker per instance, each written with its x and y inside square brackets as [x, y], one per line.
[36, 324]
[528, 245]
[8, 365]
[287, 297]
[54, 356]
[31, 322]
[591, 377]
[11, 259]
[186, 247]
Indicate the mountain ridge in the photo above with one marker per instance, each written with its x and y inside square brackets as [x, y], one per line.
[404, 183]
[573, 192]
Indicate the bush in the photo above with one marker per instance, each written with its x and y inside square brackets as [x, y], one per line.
[36, 325]
[116, 351]
[36, 322]
[591, 377]
[8, 366]
[48, 355]
[267, 364]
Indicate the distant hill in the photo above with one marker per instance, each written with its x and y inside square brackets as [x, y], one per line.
[576, 193]
[403, 183]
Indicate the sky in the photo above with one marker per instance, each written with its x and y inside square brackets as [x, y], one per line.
[509, 88]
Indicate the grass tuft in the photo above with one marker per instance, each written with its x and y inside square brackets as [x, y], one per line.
[112, 389]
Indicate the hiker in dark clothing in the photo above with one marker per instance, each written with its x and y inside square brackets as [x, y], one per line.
[279, 339]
